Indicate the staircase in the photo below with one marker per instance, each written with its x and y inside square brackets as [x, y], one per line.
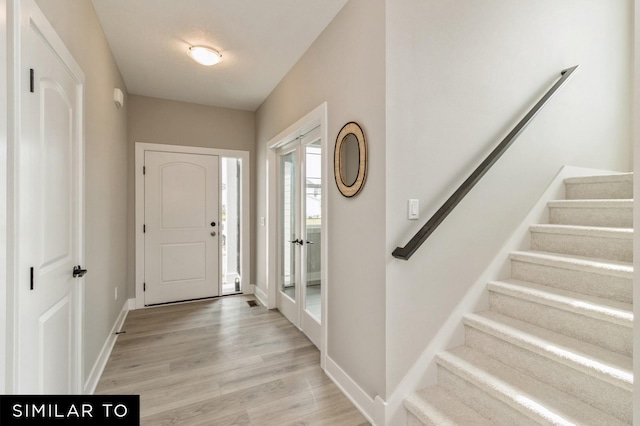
[555, 345]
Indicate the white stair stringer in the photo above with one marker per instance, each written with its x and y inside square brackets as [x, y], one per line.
[555, 346]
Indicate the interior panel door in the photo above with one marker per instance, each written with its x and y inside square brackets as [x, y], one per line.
[50, 221]
[181, 227]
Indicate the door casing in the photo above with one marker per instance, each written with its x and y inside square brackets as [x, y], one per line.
[4, 201]
[245, 257]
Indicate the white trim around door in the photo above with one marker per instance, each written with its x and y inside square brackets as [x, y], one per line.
[245, 255]
[4, 223]
[315, 118]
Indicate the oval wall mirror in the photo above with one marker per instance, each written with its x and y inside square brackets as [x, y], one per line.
[350, 159]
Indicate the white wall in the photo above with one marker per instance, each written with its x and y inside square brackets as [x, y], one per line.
[459, 76]
[105, 169]
[3, 196]
[345, 68]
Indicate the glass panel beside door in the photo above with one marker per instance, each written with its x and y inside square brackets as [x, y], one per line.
[230, 225]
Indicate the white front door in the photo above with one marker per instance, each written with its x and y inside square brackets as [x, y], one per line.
[50, 231]
[300, 229]
[181, 227]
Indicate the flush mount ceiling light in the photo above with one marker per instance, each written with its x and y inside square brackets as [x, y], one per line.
[204, 55]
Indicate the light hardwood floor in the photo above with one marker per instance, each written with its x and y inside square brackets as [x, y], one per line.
[222, 362]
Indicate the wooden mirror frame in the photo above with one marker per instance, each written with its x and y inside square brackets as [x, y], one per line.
[339, 163]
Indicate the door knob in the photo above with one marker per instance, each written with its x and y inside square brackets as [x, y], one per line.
[213, 233]
[78, 271]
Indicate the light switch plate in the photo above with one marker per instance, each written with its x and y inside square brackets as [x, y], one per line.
[414, 209]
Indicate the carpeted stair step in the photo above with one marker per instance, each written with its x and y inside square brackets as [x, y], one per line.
[434, 406]
[594, 320]
[590, 373]
[602, 278]
[616, 186]
[556, 345]
[602, 213]
[597, 242]
[509, 397]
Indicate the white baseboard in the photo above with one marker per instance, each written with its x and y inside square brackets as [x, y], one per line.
[372, 409]
[101, 362]
[260, 295]
[423, 372]
[131, 304]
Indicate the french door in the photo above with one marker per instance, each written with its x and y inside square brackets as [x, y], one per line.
[300, 287]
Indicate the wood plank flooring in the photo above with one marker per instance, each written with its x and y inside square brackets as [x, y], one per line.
[222, 362]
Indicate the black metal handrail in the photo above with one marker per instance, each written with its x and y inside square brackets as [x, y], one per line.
[420, 237]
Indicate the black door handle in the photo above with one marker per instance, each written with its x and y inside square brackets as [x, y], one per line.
[78, 271]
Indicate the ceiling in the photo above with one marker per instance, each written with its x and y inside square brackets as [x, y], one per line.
[260, 40]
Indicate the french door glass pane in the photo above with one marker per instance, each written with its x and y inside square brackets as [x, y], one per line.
[288, 225]
[313, 226]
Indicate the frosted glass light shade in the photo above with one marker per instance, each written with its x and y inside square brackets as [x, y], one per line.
[204, 55]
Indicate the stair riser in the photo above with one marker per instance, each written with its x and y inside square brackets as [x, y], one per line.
[600, 394]
[484, 403]
[614, 337]
[413, 421]
[606, 286]
[600, 190]
[605, 217]
[435, 406]
[620, 249]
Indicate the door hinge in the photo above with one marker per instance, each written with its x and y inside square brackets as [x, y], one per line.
[144, 286]
[32, 83]
[31, 277]
[144, 229]
[144, 170]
